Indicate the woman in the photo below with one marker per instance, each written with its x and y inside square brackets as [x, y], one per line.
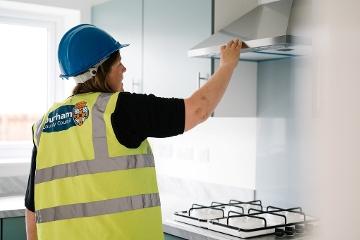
[92, 172]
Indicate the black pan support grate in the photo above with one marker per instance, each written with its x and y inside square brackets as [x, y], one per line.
[255, 211]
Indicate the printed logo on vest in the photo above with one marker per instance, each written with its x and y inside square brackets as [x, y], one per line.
[66, 117]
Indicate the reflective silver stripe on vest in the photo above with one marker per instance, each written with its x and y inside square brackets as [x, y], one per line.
[102, 162]
[98, 208]
[98, 126]
[93, 166]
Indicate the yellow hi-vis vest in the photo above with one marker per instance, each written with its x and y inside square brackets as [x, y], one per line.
[87, 185]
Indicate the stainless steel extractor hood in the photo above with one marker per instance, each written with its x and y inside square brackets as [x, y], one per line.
[270, 31]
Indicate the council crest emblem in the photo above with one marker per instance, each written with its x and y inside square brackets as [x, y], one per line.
[80, 113]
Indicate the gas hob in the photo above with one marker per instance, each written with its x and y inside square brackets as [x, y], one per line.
[247, 219]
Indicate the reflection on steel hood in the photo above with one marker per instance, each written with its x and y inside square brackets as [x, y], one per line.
[270, 31]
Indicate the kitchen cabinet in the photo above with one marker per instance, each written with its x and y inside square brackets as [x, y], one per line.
[13, 228]
[171, 237]
[240, 98]
[171, 28]
[160, 33]
[123, 20]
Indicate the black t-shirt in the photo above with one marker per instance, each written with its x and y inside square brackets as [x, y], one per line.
[136, 117]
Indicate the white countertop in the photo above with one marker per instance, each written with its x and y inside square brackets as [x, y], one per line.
[12, 206]
[195, 233]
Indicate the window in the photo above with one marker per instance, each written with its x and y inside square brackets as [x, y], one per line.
[29, 82]
[24, 68]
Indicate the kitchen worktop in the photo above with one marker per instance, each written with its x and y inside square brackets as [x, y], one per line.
[12, 206]
[195, 233]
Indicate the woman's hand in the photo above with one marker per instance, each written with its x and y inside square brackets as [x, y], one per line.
[230, 53]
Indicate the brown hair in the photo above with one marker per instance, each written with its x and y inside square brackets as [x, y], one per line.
[98, 83]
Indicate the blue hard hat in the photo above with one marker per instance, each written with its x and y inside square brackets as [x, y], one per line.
[84, 46]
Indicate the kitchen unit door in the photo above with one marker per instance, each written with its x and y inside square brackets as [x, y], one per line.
[171, 237]
[171, 28]
[160, 33]
[13, 228]
[123, 20]
[240, 98]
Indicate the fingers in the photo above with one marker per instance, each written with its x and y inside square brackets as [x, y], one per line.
[230, 43]
[237, 43]
[233, 44]
[239, 46]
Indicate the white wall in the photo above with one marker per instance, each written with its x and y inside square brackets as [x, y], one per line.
[220, 150]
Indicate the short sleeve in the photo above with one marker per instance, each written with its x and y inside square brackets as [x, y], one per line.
[138, 116]
[29, 195]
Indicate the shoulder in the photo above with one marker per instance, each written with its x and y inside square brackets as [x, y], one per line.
[135, 96]
[134, 101]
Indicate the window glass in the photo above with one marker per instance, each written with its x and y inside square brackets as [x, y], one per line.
[23, 79]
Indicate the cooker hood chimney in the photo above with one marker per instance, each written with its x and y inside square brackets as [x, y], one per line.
[272, 30]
